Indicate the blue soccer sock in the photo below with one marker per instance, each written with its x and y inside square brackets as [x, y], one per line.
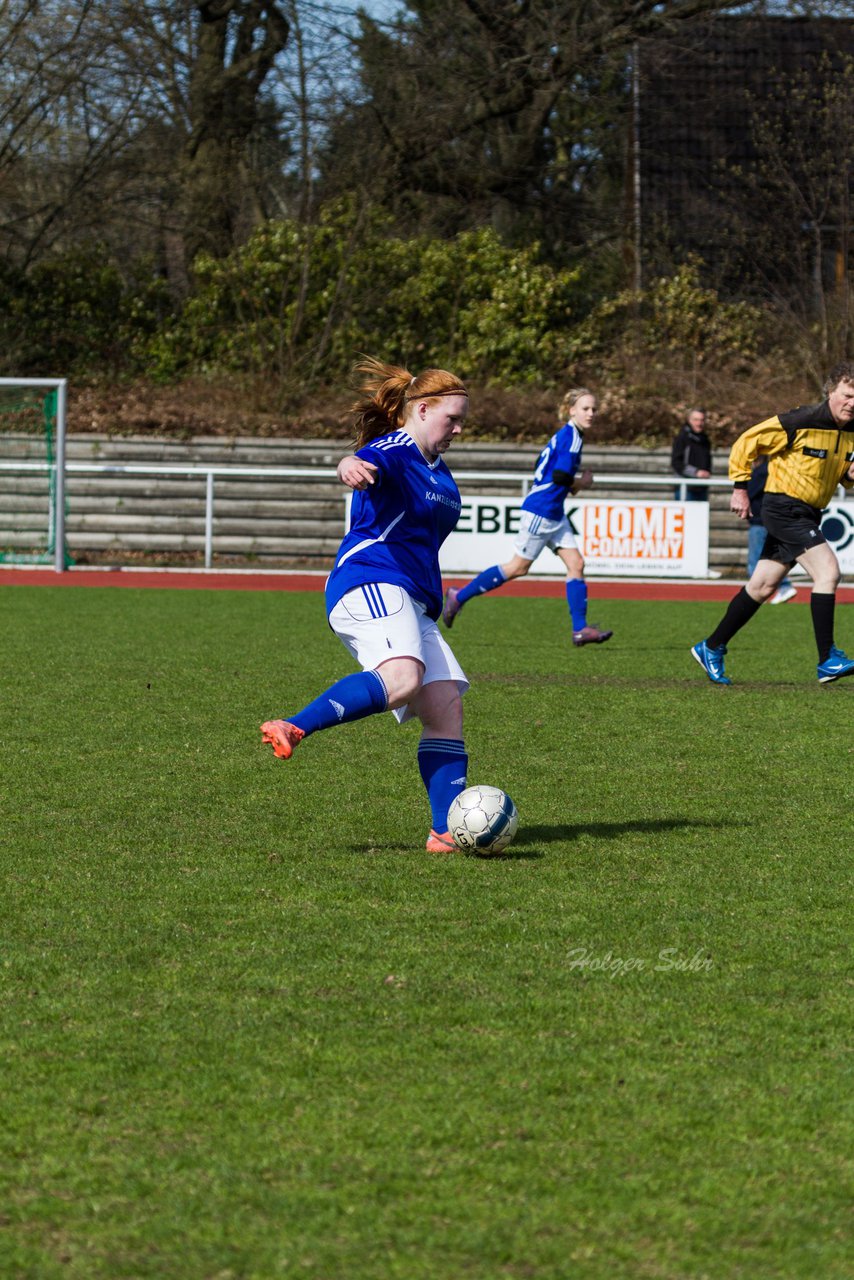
[352, 698]
[443, 763]
[486, 581]
[576, 598]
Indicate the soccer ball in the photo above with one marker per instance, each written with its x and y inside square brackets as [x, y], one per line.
[483, 820]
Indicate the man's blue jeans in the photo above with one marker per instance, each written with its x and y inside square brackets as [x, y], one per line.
[755, 542]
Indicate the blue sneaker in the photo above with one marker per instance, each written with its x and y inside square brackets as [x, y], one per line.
[836, 665]
[712, 661]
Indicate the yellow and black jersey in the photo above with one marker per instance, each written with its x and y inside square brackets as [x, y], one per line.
[808, 454]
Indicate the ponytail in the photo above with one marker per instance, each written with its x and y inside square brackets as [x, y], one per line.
[388, 390]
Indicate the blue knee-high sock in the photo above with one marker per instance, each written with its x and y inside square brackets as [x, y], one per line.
[486, 581]
[352, 698]
[576, 598]
[443, 763]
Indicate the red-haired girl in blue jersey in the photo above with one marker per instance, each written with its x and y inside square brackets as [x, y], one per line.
[384, 594]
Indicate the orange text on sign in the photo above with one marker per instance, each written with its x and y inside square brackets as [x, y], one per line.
[633, 532]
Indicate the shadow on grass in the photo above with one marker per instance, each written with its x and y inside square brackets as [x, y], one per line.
[610, 830]
[509, 855]
[559, 832]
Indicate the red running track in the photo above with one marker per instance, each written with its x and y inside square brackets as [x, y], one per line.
[224, 580]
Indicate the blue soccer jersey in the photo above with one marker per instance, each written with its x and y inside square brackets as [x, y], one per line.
[562, 453]
[398, 524]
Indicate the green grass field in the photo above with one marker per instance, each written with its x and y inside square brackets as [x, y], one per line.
[251, 1030]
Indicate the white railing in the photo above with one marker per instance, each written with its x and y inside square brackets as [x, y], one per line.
[210, 473]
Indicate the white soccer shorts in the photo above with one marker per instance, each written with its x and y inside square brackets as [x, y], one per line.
[536, 533]
[380, 621]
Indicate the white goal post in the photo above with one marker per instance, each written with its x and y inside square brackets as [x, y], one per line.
[54, 464]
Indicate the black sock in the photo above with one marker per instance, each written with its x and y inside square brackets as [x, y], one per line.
[740, 610]
[822, 604]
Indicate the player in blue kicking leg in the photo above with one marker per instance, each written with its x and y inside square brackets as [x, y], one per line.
[384, 594]
[543, 522]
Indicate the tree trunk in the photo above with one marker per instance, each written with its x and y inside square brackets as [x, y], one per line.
[238, 42]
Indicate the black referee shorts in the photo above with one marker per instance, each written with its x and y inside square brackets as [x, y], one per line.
[792, 527]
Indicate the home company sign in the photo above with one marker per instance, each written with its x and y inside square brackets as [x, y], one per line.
[649, 538]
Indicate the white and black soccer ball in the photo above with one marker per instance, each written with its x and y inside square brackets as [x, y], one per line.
[483, 820]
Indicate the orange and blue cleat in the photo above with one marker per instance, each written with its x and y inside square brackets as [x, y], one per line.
[440, 842]
[282, 737]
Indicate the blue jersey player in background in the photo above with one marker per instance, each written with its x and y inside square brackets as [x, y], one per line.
[384, 594]
[543, 522]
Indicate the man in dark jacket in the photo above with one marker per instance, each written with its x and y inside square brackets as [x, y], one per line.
[691, 455]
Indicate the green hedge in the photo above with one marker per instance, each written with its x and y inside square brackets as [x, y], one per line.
[296, 304]
[78, 314]
[299, 302]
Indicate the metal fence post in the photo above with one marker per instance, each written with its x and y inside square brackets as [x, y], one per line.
[209, 501]
[59, 487]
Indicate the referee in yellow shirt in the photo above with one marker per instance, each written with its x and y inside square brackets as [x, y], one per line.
[810, 452]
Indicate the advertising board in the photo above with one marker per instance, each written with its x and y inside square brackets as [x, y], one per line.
[616, 537]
